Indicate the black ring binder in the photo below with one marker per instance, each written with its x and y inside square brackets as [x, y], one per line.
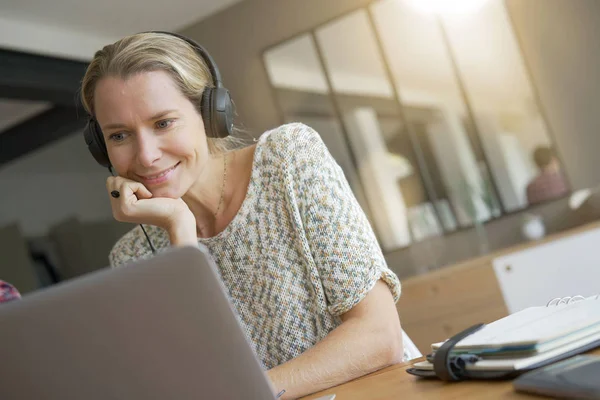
[447, 364]
[453, 368]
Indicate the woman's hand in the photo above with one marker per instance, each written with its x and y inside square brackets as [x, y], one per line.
[136, 205]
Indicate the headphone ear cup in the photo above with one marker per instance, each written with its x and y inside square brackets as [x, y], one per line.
[92, 134]
[206, 112]
[222, 111]
[217, 112]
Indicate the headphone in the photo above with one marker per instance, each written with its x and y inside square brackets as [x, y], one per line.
[216, 108]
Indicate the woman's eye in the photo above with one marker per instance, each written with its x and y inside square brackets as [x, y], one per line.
[164, 124]
[118, 137]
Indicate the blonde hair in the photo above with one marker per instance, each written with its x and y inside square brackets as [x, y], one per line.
[145, 52]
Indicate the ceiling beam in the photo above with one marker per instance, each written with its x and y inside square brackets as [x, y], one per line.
[38, 131]
[33, 77]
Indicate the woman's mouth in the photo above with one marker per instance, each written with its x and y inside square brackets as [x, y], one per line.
[159, 178]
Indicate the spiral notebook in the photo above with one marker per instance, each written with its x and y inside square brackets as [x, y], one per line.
[530, 338]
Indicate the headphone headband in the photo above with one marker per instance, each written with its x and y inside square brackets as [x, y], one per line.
[212, 65]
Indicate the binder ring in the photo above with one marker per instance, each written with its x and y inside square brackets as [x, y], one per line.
[564, 300]
[575, 299]
[567, 300]
[551, 302]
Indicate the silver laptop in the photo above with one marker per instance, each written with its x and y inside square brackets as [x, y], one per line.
[159, 329]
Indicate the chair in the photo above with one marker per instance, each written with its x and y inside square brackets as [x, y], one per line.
[410, 350]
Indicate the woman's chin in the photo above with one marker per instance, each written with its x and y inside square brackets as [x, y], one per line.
[165, 193]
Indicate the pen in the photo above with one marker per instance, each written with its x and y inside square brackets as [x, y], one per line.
[280, 394]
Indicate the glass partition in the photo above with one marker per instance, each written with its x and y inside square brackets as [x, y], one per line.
[430, 93]
[429, 112]
[303, 95]
[386, 160]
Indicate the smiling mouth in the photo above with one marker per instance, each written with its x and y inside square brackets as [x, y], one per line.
[160, 175]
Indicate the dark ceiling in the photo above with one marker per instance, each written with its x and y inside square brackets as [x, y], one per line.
[38, 78]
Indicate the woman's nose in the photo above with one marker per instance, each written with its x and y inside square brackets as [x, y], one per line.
[148, 149]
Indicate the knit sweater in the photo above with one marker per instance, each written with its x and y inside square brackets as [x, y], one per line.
[298, 254]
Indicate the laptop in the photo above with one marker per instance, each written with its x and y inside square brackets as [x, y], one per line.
[160, 328]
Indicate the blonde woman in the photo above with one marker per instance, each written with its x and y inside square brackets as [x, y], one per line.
[299, 260]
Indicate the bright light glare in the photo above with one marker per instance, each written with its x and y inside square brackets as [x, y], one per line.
[447, 7]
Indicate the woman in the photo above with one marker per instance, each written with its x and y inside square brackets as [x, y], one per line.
[299, 260]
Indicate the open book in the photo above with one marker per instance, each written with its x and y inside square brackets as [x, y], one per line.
[528, 339]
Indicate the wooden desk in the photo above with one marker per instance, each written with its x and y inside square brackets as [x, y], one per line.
[394, 383]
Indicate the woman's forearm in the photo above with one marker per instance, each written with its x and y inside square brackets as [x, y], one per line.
[353, 349]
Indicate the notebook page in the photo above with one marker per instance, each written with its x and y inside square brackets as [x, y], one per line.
[534, 325]
[537, 325]
[508, 323]
[521, 363]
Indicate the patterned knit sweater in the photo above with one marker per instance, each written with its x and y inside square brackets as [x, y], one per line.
[299, 253]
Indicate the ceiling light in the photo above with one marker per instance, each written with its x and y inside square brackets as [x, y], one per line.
[447, 7]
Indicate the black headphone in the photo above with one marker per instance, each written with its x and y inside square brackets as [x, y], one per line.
[216, 108]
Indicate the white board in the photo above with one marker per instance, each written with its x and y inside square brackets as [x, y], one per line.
[565, 267]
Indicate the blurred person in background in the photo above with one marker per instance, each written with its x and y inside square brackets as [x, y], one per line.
[550, 183]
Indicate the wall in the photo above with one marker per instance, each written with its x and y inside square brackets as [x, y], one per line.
[51, 184]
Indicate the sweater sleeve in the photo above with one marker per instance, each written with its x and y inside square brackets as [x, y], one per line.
[133, 246]
[337, 233]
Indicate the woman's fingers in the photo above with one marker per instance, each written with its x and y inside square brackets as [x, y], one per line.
[124, 194]
[126, 188]
[136, 204]
[132, 191]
